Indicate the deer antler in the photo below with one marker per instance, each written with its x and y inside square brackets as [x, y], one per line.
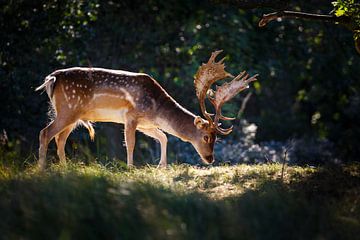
[207, 75]
[226, 92]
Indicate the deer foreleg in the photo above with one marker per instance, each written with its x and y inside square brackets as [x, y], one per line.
[130, 129]
[161, 137]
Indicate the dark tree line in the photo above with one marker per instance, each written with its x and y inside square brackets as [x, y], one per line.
[309, 72]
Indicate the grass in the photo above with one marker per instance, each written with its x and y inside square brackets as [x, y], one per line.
[80, 201]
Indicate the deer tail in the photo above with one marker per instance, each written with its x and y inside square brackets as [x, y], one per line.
[48, 85]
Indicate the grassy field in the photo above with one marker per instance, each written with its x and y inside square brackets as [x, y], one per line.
[180, 202]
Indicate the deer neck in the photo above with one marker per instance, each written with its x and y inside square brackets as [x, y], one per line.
[176, 120]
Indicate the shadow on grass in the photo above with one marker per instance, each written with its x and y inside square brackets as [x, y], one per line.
[324, 205]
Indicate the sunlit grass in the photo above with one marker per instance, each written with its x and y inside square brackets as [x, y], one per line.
[179, 202]
[216, 182]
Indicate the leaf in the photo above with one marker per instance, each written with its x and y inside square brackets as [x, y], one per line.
[339, 12]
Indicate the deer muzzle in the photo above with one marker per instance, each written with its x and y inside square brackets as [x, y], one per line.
[209, 159]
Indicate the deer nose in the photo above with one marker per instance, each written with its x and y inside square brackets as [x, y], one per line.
[209, 159]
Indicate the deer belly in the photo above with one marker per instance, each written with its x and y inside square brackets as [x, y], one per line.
[107, 115]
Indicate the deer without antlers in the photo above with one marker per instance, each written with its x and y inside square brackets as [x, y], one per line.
[86, 95]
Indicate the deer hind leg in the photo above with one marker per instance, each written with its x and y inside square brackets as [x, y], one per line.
[60, 140]
[130, 129]
[161, 137]
[48, 133]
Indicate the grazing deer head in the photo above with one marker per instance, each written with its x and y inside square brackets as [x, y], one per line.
[86, 95]
[206, 76]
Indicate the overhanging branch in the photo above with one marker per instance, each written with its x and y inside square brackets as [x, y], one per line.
[279, 5]
[291, 14]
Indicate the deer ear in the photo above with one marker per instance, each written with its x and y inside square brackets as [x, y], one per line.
[199, 122]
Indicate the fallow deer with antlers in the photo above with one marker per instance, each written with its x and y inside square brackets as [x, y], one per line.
[86, 95]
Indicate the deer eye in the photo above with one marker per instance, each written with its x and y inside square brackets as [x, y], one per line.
[206, 139]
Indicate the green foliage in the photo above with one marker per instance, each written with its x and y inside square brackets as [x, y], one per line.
[351, 9]
[181, 202]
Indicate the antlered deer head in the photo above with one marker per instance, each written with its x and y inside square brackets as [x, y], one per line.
[206, 76]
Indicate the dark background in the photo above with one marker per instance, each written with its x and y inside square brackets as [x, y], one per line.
[307, 97]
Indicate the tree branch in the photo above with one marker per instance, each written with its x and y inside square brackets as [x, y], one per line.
[279, 5]
[243, 104]
[290, 14]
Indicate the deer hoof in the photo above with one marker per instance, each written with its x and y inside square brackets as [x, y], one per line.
[162, 165]
[41, 165]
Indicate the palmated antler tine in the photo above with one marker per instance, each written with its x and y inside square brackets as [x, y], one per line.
[252, 79]
[224, 131]
[214, 55]
[240, 75]
[226, 118]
